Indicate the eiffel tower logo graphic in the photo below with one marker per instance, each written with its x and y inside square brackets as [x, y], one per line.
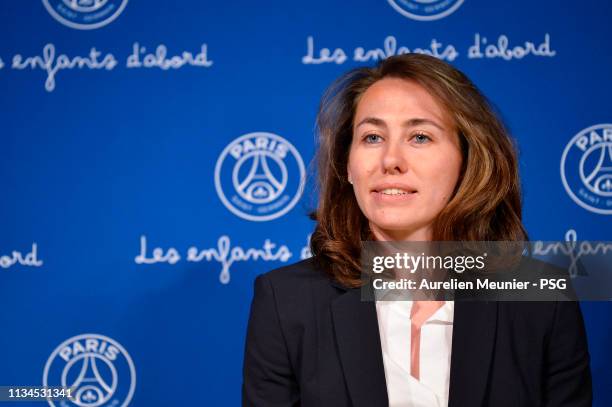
[93, 390]
[599, 178]
[260, 184]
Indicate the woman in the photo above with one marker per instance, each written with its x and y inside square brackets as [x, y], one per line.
[409, 151]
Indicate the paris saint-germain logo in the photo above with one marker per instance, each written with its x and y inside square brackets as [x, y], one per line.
[586, 168]
[425, 10]
[259, 176]
[85, 14]
[98, 368]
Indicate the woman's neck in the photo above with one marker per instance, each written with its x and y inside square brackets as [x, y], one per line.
[423, 234]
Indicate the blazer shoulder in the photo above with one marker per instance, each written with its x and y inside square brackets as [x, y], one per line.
[304, 271]
[296, 294]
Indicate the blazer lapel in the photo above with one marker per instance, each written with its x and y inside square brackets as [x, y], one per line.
[474, 326]
[358, 340]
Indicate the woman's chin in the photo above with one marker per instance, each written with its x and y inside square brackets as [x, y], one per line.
[397, 230]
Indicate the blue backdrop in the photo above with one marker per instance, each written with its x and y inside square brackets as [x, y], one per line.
[136, 207]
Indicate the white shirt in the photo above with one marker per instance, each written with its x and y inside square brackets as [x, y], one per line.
[435, 353]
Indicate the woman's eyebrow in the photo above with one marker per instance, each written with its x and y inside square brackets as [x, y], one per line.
[408, 123]
[372, 120]
[420, 121]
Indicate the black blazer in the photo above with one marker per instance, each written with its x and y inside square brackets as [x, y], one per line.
[313, 342]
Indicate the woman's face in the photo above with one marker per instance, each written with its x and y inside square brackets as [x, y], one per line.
[404, 159]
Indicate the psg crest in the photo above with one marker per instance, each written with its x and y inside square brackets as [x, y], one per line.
[586, 168]
[425, 10]
[85, 14]
[98, 368]
[259, 176]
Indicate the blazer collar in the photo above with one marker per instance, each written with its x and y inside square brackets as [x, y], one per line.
[358, 339]
[474, 329]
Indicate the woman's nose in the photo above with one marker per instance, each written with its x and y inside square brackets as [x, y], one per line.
[394, 160]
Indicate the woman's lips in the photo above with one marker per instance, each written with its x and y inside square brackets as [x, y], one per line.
[394, 195]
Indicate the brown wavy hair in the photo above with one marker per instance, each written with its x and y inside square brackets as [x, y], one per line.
[486, 204]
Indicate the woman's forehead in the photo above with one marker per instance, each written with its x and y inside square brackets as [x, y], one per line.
[395, 98]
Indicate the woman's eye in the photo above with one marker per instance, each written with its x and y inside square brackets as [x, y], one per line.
[372, 138]
[421, 138]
